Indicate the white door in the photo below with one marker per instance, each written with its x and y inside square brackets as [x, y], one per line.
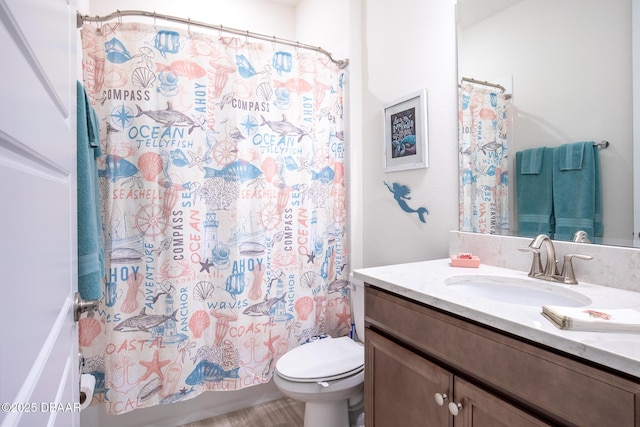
[38, 337]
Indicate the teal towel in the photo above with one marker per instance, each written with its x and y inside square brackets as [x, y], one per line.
[570, 156]
[91, 265]
[534, 196]
[532, 161]
[598, 228]
[576, 190]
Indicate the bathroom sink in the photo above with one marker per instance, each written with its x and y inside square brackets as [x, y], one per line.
[515, 290]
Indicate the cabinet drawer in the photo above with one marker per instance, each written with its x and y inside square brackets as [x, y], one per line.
[560, 389]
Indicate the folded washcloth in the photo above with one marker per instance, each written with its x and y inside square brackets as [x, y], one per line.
[576, 190]
[570, 156]
[534, 194]
[532, 161]
[91, 264]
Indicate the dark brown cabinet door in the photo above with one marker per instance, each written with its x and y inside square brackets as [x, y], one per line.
[481, 409]
[400, 386]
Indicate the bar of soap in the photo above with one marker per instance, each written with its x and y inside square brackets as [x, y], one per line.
[465, 260]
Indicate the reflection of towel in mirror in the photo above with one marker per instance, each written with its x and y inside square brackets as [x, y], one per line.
[91, 267]
[576, 190]
[534, 195]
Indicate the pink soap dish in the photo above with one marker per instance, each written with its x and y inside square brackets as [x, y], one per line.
[470, 262]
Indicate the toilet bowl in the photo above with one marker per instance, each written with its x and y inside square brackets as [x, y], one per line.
[327, 374]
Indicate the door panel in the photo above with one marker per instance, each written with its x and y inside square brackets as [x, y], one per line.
[43, 37]
[38, 362]
[400, 386]
[481, 409]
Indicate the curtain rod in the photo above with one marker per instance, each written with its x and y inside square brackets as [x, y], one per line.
[81, 19]
[470, 80]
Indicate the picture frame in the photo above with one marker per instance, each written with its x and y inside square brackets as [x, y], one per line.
[406, 133]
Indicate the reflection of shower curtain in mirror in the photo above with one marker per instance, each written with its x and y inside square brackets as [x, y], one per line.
[224, 206]
[483, 163]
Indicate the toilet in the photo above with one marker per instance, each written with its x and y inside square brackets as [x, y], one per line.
[328, 373]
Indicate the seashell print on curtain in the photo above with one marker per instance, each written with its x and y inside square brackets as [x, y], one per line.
[483, 163]
[224, 210]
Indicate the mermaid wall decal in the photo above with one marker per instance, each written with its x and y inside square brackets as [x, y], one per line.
[401, 194]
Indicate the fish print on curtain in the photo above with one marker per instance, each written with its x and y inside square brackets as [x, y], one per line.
[483, 162]
[224, 207]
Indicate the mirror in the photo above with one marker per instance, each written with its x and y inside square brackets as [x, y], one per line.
[568, 66]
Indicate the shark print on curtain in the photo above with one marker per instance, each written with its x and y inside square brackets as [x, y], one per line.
[483, 163]
[224, 209]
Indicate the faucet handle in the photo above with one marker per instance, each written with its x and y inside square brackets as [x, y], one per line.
[567, 267]
[536, 264]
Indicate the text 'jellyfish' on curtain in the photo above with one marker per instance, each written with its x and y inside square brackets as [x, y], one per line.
[224, 208]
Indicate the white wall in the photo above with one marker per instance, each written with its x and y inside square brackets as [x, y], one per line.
[555, 51]
[258, 16]
[409, 45]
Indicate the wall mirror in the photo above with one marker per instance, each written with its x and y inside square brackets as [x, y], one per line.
[568, 66]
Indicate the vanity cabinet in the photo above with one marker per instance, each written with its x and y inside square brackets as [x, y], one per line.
[418, 357]
[405, 389]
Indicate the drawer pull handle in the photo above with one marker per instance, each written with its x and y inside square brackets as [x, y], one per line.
[455, 408]
[440, 398]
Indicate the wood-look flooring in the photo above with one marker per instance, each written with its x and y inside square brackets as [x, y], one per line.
[283, 412]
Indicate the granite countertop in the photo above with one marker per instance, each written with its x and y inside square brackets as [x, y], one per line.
[424, 282]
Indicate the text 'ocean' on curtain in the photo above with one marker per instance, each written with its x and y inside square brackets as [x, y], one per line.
[224, 209]
[483, 163]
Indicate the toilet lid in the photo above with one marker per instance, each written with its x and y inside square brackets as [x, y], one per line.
[325, 359]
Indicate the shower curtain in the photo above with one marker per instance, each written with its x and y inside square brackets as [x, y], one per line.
[224, 209]
[483, 162]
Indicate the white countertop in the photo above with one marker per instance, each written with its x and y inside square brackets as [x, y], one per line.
[424, 282]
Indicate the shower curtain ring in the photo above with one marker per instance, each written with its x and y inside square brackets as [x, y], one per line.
[189, 27]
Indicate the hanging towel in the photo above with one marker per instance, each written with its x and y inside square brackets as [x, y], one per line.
[534, 196]
[91, 265]
[598, 228]
[576, 190]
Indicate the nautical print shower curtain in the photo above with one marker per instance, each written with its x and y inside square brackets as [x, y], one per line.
[483, 163]
[224, 210]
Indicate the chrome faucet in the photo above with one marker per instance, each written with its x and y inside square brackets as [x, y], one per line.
[581, 236]
[550, 271]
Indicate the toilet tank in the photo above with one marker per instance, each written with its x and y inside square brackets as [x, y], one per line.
[357, 305]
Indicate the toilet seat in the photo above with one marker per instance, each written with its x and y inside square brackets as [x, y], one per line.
[323, 360]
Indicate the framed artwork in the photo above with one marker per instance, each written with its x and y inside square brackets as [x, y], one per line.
[406, 133]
